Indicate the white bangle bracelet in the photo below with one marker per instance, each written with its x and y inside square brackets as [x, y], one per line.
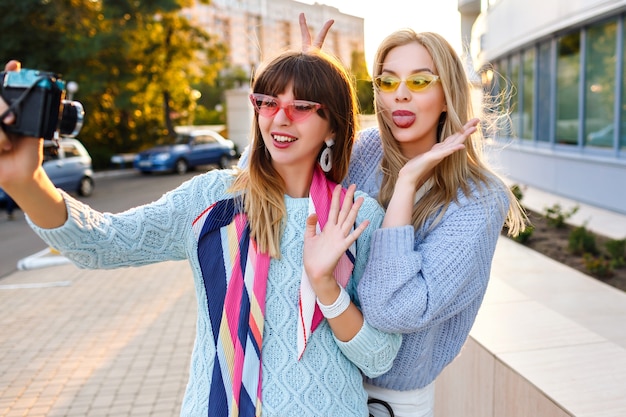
[340, 305]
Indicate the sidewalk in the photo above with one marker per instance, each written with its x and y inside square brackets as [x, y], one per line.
[118, 342]
[96, 343]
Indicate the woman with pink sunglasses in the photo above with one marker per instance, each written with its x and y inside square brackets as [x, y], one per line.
[445, 208]
[278, 328]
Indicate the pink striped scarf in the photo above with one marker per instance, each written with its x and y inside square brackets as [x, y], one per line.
[235, 280]
[309, 314]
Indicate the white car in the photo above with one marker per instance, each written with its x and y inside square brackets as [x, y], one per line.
[69, 166]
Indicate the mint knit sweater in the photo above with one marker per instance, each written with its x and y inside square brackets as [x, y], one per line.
[324, 382]
[426, 284]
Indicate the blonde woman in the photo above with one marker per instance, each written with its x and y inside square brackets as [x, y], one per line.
[445, 208]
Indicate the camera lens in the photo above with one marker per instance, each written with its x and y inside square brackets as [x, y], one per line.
[71, 120]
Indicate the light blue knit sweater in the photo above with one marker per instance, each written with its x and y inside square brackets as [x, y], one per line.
[427, 285]
[324, 382]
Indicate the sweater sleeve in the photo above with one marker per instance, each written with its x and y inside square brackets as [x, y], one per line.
[150, 233]
[415, 280]
[364, 170]
[371, 350]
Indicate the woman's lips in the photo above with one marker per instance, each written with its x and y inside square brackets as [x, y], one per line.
[403, 118]
[283, 141]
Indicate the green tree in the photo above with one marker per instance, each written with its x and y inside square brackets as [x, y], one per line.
[135, 63]
[364, 86]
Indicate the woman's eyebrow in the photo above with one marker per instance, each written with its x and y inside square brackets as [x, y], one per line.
[412, 72]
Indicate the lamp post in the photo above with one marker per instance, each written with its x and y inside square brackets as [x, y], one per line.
[72, 88]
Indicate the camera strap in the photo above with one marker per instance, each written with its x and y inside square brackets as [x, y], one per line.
[14, 106]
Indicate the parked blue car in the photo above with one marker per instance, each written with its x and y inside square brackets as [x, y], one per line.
[191, 149]
[68, 166]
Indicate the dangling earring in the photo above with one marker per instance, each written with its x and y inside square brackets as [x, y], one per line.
[442, 121]
[326, 159]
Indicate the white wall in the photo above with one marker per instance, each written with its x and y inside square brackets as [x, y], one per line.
[596, 181]
[511, 24]
[239, 115]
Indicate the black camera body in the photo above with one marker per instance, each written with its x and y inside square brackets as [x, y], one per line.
[37, 99]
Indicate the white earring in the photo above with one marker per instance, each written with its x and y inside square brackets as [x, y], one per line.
[326, 158]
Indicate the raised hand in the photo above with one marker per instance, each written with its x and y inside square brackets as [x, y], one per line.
[306, 35]
[415, 169]
[19, 156]
[23, 177]
[322, 251]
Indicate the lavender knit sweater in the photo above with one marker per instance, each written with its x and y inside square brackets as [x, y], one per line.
[426, 284]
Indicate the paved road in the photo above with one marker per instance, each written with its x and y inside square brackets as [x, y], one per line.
[113, 193]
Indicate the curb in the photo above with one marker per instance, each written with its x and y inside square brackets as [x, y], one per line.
[42, 259]
[114, 173]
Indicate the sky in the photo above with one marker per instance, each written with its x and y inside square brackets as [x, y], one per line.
[384, 16]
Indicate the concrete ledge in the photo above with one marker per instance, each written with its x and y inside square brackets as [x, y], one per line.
[548, 340]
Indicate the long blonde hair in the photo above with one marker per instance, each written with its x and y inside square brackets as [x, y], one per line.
[314, 76]
[457, 170]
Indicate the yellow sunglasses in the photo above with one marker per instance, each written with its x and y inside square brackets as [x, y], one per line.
[414, 82]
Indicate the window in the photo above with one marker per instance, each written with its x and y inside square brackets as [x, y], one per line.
[50, 153]
[504, 94]
[514, 78]
[567, 86]
[528, 94]
[601, 55]
[492, 99]
[544, 94]
[567, 90]
[70, 150]
[622, 133]
[204, 139]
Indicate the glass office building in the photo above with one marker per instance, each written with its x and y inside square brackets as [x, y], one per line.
[558, 68]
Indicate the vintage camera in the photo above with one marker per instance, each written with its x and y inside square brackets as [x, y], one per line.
[37, 99]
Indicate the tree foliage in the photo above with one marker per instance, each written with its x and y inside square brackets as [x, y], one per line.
[364, 86]
[135, 61]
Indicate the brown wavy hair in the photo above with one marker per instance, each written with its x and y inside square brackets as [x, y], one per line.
[315, 76]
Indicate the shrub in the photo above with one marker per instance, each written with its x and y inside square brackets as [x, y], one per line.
[523, 236]
[617, 251]
[556, 216]
[582, 241]
[598, 266]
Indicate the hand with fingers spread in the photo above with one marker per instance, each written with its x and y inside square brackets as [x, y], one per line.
[322, 251]
[417, 168]
[321, 255]
[307, 45]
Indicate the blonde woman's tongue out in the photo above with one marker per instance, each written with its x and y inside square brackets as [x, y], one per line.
[403, 118]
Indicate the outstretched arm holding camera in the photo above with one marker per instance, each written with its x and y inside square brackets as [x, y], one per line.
[23, 177]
